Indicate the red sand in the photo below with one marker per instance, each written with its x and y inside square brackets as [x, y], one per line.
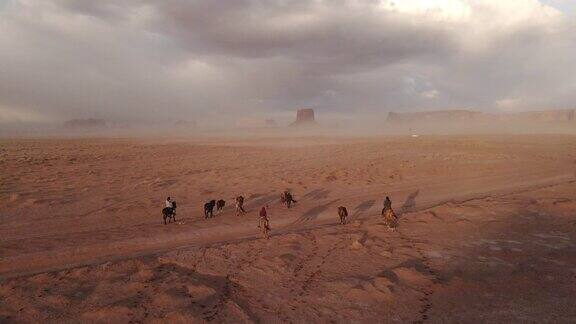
[487, 230]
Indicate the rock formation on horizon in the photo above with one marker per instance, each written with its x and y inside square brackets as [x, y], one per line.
[305, 117]
[438, 115]
[566, 115]
[543, 116]
[255, 122]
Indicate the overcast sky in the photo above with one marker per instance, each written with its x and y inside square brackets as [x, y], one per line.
[170, 59]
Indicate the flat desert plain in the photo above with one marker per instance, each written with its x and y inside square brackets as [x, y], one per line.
[487, 230]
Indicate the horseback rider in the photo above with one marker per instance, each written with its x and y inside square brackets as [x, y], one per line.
[390, 217]
[387, 203]
[169, 203]
[170, 210]
[287, 199]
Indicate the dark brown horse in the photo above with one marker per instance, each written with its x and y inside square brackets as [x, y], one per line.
[240, 206]
[343, 213]
[209, 209]
[169, 213]
[220, 205]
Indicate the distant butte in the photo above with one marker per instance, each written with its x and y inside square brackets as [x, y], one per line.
[305, 117]
[566, 115]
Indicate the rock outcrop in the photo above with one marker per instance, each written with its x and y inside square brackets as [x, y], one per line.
[305, 117]
[543, 116]
[248, 122]
[567, 115]
[440, 115]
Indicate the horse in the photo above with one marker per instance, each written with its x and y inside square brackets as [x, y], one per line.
[264, 226]
[169, 212]
[390, 218]
[220, 205]
[343, 213]
[240, 206]
[209, 208]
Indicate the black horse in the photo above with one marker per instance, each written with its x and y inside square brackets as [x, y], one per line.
[209, 208]
[168, 212]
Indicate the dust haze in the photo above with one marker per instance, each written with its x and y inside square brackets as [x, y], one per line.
[144, 62]
[445, 129]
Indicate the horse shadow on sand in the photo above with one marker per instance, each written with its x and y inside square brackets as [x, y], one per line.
[257, 200]
[314, 212]
[410, 202]
[317, 194]
[362, 208]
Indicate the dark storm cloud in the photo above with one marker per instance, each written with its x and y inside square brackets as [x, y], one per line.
[163, 60]
[329, 34]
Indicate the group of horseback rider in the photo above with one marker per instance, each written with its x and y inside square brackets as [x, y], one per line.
[286, 198]
[169, 211]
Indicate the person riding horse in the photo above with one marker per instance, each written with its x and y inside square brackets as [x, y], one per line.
[287, 199]
[390, 217]
[170, 210]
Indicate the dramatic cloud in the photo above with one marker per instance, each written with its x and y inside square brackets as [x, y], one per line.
[167, 60]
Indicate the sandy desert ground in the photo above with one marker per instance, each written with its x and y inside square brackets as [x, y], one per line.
[487, 230]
